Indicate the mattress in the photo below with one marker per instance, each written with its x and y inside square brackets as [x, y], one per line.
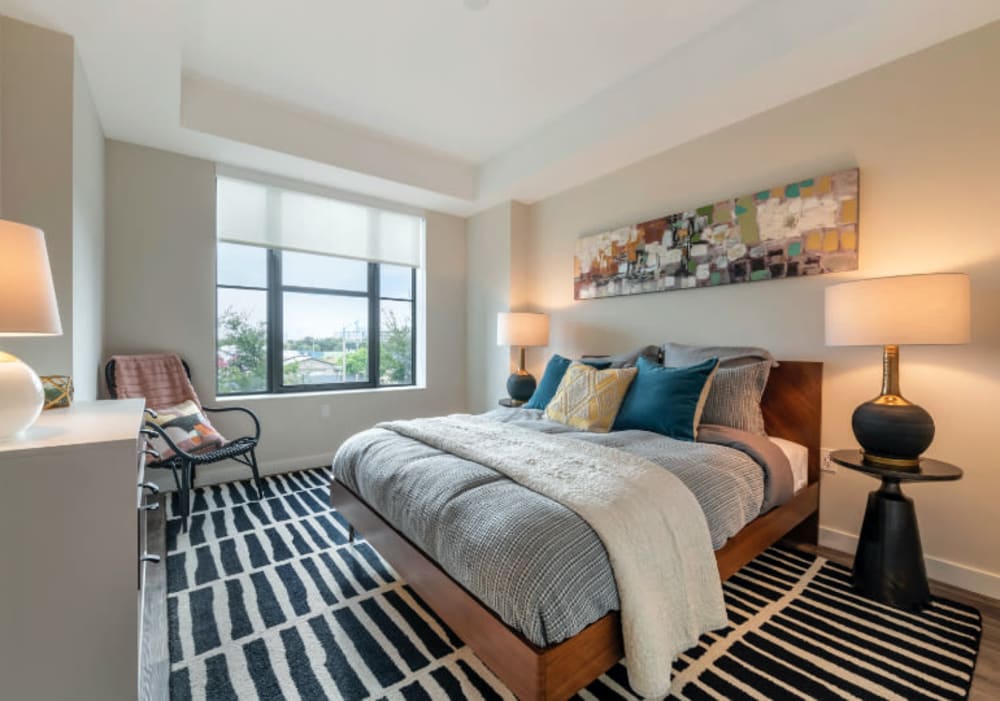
[537, 564]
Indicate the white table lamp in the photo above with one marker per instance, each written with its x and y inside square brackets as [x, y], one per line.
[27, 308]
[522, 329]
[889, 312]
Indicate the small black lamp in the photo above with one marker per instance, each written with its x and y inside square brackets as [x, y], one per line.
[889, 312]
[522, 329]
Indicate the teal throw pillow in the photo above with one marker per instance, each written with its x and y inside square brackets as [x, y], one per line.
[666, 400]
[546, 389]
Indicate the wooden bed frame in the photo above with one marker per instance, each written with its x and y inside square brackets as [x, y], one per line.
[791, 404]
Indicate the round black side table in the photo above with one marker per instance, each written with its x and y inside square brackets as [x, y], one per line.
[889, 563]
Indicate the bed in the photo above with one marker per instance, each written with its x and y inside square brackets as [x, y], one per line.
[548, 660]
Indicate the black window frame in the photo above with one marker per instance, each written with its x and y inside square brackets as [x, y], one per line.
[275, 292]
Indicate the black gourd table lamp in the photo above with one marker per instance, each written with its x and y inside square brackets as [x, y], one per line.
[890, 312]
[522, 329]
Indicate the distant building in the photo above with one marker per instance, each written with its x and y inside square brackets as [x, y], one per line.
[312, 371]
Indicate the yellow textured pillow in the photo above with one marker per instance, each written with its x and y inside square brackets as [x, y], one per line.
[589, 399]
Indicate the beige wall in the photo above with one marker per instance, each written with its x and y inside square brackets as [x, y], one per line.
[161, 296]
[488, 292]
[36, 172]
[88, 239]
[924, 132]
[499, 278]
[52, 177]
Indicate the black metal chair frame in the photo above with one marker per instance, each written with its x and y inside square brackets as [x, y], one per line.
[182, 464]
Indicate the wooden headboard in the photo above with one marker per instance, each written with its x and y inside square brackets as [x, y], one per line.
[792, 404]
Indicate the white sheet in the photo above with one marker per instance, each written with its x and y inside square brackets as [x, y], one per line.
[798, 458]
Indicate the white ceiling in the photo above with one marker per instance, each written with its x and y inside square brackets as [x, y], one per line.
[467, 84]
[429, 103]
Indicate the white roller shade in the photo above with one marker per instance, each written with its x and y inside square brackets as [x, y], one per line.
[259, 214]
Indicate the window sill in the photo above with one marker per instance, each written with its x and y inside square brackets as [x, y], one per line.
[236, 399]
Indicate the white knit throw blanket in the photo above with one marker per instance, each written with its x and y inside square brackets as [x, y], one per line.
[651, 525]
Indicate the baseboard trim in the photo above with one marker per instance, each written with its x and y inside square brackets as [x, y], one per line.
[940, 570]
[301, 463]
[231, 471]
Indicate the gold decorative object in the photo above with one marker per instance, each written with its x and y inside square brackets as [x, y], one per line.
[58, 391]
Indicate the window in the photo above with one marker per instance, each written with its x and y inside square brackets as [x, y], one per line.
[298, 321]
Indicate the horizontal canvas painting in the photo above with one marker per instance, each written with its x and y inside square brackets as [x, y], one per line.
[803, 228]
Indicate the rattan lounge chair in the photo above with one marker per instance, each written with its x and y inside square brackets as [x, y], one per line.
[182, 464]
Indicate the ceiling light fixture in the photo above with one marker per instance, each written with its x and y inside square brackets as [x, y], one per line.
[476, 4]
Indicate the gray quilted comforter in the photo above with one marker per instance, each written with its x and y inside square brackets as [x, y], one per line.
[537, 564]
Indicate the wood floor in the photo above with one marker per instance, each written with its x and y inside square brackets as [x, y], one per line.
[986, 683]
[154, 657]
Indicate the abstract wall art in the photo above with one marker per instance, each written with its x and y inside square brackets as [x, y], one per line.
[804, 228]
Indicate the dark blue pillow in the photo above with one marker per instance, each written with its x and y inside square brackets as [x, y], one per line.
[546, 389]
[554, 371]
[664, 400]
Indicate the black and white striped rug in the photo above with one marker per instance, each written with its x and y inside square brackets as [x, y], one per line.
[268, 600]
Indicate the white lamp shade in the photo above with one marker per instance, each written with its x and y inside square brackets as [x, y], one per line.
[27, 297]
[522, 329]
[908, 309]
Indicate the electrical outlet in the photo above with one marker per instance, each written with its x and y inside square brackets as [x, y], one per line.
[324, 411]
[825, 463]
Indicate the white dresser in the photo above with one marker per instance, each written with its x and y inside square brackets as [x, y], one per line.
[69, 547]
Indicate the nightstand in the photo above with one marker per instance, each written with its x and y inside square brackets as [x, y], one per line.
[889, 563]
[510, 403]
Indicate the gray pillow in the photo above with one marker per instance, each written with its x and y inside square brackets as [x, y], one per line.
[734, 397]
[628, 360]
[679, 355]
[735, 394]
